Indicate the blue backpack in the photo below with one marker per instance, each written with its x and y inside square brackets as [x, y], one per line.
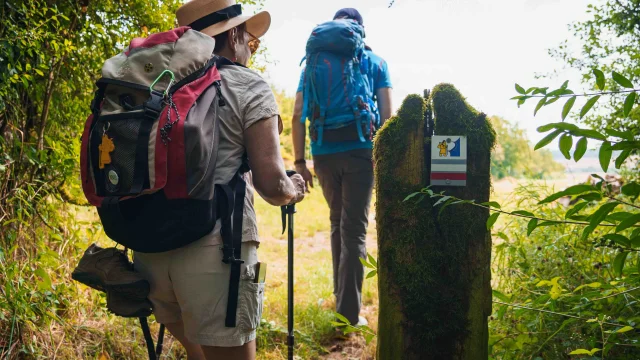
[338, 99]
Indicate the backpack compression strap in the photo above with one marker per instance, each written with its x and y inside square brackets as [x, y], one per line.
[154, 354]
[232, 213]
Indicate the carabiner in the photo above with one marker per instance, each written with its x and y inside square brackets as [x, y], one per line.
[173, 78]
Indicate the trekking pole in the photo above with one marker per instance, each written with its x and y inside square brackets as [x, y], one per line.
[287, 212]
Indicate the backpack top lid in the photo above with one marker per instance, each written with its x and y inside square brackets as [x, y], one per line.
[340, 36]
[180, 50]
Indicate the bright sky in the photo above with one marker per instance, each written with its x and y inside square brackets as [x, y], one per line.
[481, 46]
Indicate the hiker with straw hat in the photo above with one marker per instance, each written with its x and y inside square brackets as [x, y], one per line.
[190, 286]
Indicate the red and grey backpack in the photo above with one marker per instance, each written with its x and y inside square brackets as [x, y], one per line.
[150, 146]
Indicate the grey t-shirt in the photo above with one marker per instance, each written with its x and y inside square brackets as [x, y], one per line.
[249, 99]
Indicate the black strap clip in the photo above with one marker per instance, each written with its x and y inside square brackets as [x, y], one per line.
[228, 256]
[153, 106]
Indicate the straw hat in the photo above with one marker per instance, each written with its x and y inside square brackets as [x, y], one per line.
[213, 17]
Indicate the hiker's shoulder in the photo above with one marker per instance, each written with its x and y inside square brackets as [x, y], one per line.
[243, 74]
[376, 59]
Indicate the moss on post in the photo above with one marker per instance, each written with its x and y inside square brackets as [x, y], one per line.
[433, 268]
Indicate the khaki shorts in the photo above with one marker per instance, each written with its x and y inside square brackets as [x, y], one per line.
[192, 284]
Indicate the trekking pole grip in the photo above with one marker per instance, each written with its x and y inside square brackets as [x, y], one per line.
[291, 207]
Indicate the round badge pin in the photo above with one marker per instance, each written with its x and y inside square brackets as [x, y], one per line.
[114, 179]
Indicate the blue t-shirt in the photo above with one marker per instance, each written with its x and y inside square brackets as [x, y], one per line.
[379, 78]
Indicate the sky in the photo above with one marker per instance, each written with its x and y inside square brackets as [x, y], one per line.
[482, 47]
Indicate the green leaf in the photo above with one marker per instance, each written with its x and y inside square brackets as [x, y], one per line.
[492, 220]
[567, 107]
[599, 78]
[365, 263]
[45, 284]
[368, 337]
[552, 100]
[520, 90]
[533, 224]
[579, 189]
[626, 145]
[372, 261]
[575, 209]
[442, 199]
[541, 103]
[492, 204]
[591, 134]
[523, 212]
[619, 216]
[566, 143]
[411, 196]
[503, 236]
[572, 190]
[342, 318]
[631, 189]
[530, 89]
[559, 125]
[565, 84]
[372, 274]
[629, 222]
[622, 81]
[624, 329]
[547, 139]
[605, 155]
[594, 285]
[618, 262]
[627, 135]
[588, 106]
[587, 231]
[600, 214]
[540, 91]
[618, 239]
[501, 296]
[629, 102]
[581, 149]
[552, 198]
[622, 158]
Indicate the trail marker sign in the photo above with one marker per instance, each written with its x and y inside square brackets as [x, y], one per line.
[448, 160]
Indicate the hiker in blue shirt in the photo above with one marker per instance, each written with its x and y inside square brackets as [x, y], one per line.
[346, 101]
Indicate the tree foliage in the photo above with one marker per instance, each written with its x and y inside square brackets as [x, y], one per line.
[514, 155]
[51, 54]
[609, 42]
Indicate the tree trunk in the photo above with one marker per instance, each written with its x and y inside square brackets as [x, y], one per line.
[434, 263]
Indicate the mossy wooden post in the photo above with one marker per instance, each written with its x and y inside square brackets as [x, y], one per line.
[433, 268]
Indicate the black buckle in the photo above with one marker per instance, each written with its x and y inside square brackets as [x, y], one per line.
[153, 106]
[228, 256]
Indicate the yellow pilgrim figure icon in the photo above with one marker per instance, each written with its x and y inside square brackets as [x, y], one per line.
[443, 148]
[106, 147]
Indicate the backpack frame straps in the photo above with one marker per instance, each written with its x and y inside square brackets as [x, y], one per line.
[234, 281]
[148, 339]
[232, 237]
[152, 110]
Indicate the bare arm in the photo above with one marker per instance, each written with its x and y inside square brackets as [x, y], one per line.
[269, 177]
[384, 104]
[299, 133]
[298, 130]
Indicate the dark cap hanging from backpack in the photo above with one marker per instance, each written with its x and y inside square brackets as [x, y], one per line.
[349, 13]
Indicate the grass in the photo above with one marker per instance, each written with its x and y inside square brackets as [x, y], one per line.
[314, 300]
[66, 320]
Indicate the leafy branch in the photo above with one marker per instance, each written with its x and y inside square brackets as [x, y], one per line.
[347, 328]
[549, 97]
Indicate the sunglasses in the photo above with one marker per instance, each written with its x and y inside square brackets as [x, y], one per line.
[254, 43]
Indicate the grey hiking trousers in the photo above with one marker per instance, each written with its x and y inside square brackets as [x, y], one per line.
[347, 182]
